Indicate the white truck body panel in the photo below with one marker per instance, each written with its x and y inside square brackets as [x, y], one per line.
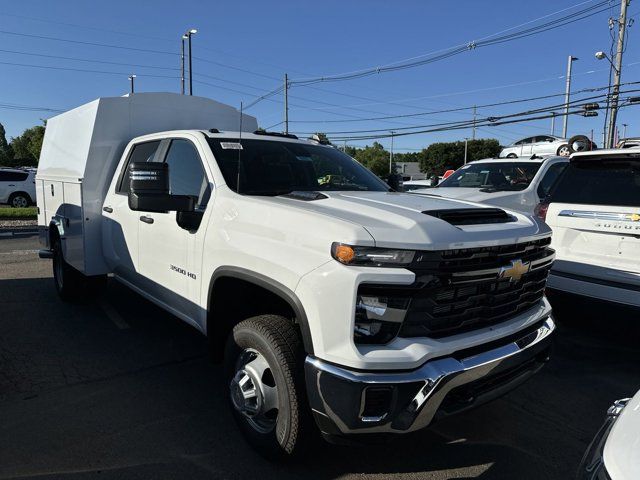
[83, 147]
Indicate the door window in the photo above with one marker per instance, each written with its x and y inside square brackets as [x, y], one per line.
[13, 176]
[186, 172]
[549, 178]
[141, 152]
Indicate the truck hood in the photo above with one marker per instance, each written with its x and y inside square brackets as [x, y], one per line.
[397, 220]
[464, 193]
[622, 449]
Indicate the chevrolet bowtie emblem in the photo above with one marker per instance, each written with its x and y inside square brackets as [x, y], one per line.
[515, 270]
[634, 217]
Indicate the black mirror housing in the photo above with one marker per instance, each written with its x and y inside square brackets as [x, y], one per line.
[149, 189]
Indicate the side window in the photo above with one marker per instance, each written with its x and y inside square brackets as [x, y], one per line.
[549, 178]
[186, 173]
[142, 152]
[13, 176]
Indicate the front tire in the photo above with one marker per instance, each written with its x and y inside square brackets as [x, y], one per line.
[264, 366]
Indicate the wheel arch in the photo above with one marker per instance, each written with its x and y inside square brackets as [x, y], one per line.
[253, 282]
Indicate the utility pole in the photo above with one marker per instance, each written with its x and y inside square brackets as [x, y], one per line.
[474, 123]
[131, 78]
[286, 103]
[567, 94]
[391, 154]
[553, 123]
[624, 130]
[188, 34]
[465, 150]
[617, 72]
[184, 37]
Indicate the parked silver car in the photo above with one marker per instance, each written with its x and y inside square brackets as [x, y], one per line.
[538, 145]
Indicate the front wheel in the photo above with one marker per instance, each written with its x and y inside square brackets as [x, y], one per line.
[264, 365]
[512, 155]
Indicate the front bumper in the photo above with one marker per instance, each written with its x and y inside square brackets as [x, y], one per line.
[348, 402]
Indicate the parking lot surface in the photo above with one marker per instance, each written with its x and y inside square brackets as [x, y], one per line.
[119, 389]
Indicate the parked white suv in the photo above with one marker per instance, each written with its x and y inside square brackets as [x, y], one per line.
[329, 297]
[514, 184]
[594, 211]
[17, 186]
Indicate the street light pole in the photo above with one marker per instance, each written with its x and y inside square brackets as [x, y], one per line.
[567, 94]
[465, 150]
[391, 154]
[184, 37]
[188, 35]
[131, 78]
[624, 130]
[286, 103]
[553, 123]
[617, 72]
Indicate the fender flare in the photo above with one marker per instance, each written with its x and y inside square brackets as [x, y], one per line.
[274, 287]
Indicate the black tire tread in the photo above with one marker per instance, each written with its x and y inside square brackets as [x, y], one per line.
[285, 339]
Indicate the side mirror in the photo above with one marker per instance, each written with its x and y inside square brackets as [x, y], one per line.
[149, 189]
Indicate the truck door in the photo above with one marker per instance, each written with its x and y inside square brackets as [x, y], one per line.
[171, 256]
[120, 223]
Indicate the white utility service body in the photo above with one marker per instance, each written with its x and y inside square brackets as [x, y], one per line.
[350, 263]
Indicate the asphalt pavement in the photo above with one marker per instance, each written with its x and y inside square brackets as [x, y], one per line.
[118, 389]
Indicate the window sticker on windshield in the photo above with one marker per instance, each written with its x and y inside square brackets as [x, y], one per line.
[231, 146]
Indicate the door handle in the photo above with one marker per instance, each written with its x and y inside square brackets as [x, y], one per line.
[146, 219]
[11, 185]
[107, 209]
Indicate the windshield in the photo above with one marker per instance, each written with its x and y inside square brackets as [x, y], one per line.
[270, 167]
[493, 176]
[600, 182]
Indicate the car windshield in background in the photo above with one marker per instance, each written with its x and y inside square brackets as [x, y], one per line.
[493, 177]
[278, 167]
[599, 182]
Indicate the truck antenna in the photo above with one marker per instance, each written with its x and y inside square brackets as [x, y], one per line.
[239, 151]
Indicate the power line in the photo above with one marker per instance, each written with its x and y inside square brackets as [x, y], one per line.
[456, 50]
[486, 122]
[83, 70]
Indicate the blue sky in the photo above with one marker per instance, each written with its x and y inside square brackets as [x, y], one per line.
[250, 44]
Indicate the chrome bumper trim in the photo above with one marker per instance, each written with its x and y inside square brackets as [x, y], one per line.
[336, 393]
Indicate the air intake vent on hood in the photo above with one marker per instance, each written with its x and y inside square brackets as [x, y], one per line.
[471, 216]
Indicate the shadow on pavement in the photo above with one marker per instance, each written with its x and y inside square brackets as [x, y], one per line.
[82, 398]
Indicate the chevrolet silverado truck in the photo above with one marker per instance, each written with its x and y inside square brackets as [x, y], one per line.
[335, 303]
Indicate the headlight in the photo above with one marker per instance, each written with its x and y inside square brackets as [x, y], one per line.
[371, 256]
[378, 318]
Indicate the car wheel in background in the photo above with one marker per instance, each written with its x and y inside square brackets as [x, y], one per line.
[19, 200]
[579, 143]
[512, 155]
[563, 150]
[264, 366]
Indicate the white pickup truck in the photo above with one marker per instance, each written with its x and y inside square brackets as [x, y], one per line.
[331, 299]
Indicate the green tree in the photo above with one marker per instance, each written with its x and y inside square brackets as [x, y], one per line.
[375, 158]
[439, 157]
[6, 153]
[26, 147]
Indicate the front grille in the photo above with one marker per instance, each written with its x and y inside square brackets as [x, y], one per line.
[461, 290]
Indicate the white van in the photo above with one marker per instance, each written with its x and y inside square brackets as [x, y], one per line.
[594, 212]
